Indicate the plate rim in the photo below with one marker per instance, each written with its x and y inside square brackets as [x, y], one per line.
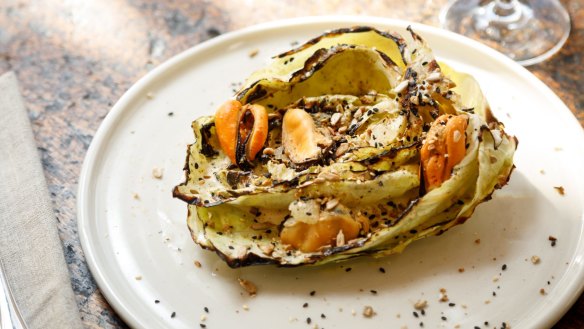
[555, 311]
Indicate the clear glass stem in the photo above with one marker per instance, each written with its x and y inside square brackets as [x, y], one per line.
[527, 31]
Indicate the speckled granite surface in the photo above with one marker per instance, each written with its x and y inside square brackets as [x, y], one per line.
[74, 59]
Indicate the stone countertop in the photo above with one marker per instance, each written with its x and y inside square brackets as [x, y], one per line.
[75, 59]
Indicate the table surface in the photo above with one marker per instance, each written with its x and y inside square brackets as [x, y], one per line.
[75, 59]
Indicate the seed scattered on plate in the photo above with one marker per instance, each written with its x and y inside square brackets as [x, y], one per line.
[368, 312]
[172, 315]
[157, 173]
[135, 196]
[542, 291]
[460, 269]
[149, 95]
[138, 277]
[553, 239]
[245, 307]
[253, 53]
[477, 241]
[203, 317]
[382, 270]
[535, 259]
[248, 286]
[197, 264]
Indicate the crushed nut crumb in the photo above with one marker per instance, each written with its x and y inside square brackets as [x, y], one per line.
[157, 173]
[560, 190]
[368, 312]
[542, 291]
[135, 196]
[248, 286]
[443, 296]
[460, 269]
[421, 304]
[535, 259]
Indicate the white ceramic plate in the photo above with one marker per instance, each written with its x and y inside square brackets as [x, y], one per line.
[139, 250]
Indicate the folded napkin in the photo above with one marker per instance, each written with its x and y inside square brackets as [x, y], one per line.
[29, 243]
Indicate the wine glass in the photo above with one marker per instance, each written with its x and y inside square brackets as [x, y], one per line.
[528, 31]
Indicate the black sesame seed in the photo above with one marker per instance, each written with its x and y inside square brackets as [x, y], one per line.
[305, 305]
[477, 327]
[382, 270]
[206, 309]
[173, 315]
[170, 114]
[312, 293]
[308, 320]
[415, 314]
[443, 318]
[423, 312]
[451, 304]
[322, 316]
[422, 324]
[486, 323]
[348, 269]
[156, 301]
[494, 294]
[504, 267]
[373, 292]
[203, 325]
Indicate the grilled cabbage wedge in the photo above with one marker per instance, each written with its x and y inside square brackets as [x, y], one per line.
[356, 143]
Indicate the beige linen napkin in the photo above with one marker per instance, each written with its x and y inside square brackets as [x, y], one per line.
[29, 243]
